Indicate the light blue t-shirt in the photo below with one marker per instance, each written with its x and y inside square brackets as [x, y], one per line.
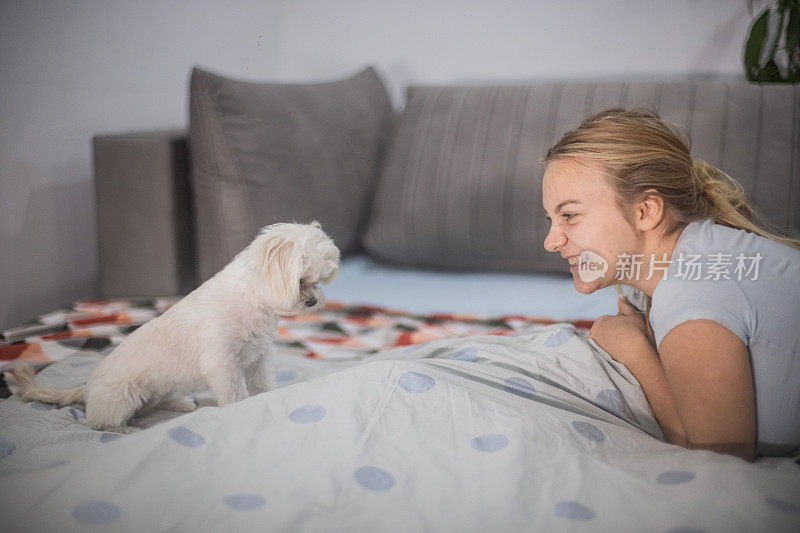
[750, 285]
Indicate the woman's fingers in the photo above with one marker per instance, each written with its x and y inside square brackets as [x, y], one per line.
[625, 307]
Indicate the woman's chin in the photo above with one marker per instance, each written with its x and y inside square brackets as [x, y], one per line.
[586, 287]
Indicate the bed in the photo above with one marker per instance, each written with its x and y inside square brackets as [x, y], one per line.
[449, 384]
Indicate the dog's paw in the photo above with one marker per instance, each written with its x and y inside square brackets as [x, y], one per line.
[125, 430]
[183, 404]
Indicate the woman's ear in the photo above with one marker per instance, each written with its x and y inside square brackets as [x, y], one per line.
[650, 211]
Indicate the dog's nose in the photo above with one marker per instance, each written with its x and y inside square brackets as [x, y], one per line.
[311, 302]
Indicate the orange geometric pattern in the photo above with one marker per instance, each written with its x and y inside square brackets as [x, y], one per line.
[337, 332]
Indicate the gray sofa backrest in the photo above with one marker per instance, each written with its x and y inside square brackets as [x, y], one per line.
[460, 183]
[750, 131]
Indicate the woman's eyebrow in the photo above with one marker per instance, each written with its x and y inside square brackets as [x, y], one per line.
[562, 204]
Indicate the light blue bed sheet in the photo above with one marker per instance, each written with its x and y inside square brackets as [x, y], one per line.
[365, 281]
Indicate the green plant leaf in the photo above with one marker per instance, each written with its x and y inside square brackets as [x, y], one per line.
[770, 73]
[793, 29]
[755, 43]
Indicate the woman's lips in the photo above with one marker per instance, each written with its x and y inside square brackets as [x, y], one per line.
[574, 262]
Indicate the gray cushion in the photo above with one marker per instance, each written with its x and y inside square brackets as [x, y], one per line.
[460, 188]
[263, 153]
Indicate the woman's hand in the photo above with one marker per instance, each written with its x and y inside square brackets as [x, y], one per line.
[622, 335]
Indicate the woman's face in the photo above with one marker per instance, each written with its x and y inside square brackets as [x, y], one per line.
[585, 220]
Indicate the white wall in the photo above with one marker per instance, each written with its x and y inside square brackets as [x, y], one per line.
[71, 69]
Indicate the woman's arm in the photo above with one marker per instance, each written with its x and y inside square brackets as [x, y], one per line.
[643, 362]
[699, 384]
[708, 369]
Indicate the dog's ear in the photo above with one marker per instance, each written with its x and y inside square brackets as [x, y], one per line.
[331, 270]
[281, 262]
[332, 274]
[315, 224]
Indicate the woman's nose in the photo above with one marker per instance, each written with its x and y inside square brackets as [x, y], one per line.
[554, 239]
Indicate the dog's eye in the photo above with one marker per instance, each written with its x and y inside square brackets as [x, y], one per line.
[304, 284]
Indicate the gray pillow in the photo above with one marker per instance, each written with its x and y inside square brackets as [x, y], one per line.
[267, 152]
[460, 185]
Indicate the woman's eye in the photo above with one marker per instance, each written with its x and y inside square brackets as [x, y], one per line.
[567, 216]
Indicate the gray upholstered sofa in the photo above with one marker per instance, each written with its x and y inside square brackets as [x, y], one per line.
[410, 422]
[450, 183]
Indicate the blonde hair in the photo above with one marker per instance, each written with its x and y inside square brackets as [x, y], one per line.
[639, 152]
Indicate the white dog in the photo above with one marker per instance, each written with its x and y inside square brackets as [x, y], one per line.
[216, 338]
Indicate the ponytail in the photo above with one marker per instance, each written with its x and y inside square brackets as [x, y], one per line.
[726, 203]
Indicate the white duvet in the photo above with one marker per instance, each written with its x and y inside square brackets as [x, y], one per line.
[541, 431]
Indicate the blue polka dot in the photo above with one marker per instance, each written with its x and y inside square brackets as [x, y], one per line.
[559, 337]
[374, 478]
[590, 431]
[285, 375]
[96, 512]
[574, 511]
[520, 387]
[187, 437]
[77, 414]
[108, 437]
[489, 443]
[307, 414]
[466, 354]
[415, 383]
[244, 502]
[784, 506]
[674, 477]
[6, 447]
[41, 406]
[611, 401]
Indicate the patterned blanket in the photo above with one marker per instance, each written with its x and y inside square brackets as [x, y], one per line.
[338, 332]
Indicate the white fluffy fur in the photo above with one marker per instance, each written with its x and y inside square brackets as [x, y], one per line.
[216, 338]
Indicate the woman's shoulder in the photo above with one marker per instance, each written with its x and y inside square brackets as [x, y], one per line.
[679, 300]
[728, 275]
[730, 259]
[711, 237]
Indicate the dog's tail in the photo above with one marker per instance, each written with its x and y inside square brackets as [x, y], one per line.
[29, 389]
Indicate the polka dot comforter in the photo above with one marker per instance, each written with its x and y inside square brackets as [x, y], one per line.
[534, 429]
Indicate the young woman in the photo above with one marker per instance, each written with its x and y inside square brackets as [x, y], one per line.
[715, 338]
